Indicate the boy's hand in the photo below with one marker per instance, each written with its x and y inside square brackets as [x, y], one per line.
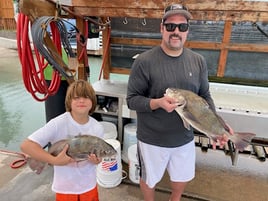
[94, 159]
[63, 158]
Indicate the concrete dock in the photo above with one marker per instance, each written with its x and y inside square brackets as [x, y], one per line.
[216, 180]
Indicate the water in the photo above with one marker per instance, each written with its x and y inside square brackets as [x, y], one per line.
[20, 113]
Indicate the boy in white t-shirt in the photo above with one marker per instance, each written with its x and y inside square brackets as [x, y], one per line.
[72, 180]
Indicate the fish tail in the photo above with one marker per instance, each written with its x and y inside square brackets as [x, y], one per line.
[242, 140]
[35, 165]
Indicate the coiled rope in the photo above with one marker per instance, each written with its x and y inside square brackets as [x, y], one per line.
[17, 163]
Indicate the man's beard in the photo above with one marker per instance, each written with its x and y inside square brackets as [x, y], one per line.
[169, 44]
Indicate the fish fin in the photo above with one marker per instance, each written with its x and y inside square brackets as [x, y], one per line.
[225, 126]
[188, 115]
[242, 140]
[204, 102]
[186, 124]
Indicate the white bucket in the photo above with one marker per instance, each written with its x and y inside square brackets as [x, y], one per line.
[134, 168]
[109, 171]
[130, 138]
[110, 131]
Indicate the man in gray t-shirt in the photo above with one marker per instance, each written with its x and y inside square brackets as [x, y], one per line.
[159, 128]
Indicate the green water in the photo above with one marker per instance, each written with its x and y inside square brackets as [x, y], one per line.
[20, 113]
[95, 64]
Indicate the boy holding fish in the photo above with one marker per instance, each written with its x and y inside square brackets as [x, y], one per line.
[72, 180]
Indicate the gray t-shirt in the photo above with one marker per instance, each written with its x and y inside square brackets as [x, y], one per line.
[152, 73]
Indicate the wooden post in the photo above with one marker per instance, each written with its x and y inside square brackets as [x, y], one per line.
[82, 74]
[224, 51]
[106, 52]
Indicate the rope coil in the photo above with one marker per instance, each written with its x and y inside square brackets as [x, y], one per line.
[17, 163]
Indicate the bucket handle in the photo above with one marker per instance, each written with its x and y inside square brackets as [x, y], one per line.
[124, 174]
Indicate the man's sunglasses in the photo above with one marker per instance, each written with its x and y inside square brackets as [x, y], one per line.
[170, 27]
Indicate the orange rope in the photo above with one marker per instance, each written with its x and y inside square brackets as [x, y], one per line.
[17, 163]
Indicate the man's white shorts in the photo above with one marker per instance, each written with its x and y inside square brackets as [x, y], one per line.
[154, 160]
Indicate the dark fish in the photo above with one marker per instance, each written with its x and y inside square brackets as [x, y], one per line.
[80, 147]
[195, 111]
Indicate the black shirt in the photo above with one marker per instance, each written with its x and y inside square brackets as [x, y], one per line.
[152, 73]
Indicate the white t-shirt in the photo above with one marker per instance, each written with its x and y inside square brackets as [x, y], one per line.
[77, 177]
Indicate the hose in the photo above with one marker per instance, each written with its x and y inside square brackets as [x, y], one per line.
[33, 76]
[82, 40]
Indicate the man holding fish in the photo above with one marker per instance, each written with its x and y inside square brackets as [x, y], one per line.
[165, 142]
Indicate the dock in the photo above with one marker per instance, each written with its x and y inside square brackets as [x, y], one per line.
[216, 180]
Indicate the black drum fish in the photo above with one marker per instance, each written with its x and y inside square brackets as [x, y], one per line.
[80, 147]
[194, 111]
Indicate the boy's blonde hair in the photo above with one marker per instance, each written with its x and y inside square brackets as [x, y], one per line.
[80, 88]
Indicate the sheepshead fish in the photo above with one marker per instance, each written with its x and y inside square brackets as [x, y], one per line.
[194, 111]
[79, 148]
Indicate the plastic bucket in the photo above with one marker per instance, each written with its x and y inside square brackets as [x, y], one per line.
[130, 138]
[109, 170]
[134, 168]
[110, 131]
